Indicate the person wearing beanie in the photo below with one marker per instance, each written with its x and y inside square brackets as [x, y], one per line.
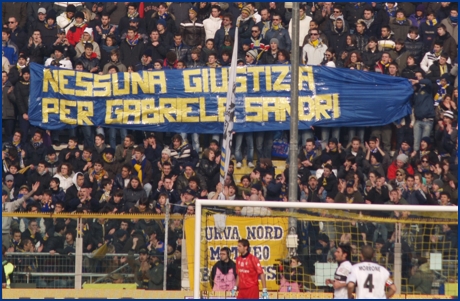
[375, 163]
[192, 30]
[279, 32]
[401, 162]
[146, 61]
[75, 33]
[451, 22]
[418, 17]
[270, 56]
[244, 23]
[87, 38]
[445, 131]
[251, 57]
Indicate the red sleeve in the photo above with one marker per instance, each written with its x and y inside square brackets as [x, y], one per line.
[392, 171]
[410, 170]
[70, 36]
[256, 263]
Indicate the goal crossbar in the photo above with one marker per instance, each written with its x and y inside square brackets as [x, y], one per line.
[332, 206]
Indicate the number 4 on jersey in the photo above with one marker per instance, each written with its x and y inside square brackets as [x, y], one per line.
[369, 283]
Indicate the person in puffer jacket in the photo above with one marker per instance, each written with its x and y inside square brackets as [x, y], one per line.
[192, 30]
[76, 31]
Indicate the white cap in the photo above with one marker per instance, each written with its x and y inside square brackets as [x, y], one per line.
[42, 10]
[88, 30]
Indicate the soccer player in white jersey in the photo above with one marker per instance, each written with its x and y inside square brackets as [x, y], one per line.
[369, 278]
[339, 283]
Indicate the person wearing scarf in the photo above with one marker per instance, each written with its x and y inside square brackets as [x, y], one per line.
[279, 32]
[382, 65]
[110, 164]
[223, 273]
[245, 22]
[97, 173]
[142, 169]
[390, 8]
[400, 25]
[76, 31]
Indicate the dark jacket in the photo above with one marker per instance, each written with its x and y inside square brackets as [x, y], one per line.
[192, 33]
[48, 34]
[338, 40]
[244, 29]
[19, 37]
[131, 196]
[146, 169]
[131, 55]
[182, 51]
[449, 45]
[355, 198]
[159, 51]
[427, 35]
[370, 58]
[224, 268]
[43, 179]
[21, 93]
[415, 48]
[36, 53]
[209, 170]
[34, 154]
[434, 73]
[220, 35]
[409, 71]
[400, 29]
[90, 63]
[422, 101]
[124, 24]
[8, 100]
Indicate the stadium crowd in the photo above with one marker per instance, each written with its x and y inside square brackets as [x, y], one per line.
[411, 161]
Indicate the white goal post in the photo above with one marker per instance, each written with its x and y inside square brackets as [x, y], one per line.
[332, 206]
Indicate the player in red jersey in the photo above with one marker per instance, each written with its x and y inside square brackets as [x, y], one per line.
[248, 270]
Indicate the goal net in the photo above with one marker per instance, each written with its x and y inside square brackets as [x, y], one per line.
[296, 242]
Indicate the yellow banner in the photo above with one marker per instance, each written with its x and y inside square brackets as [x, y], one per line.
[266, 235]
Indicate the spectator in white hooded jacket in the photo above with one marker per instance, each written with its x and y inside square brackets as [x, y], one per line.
[213, 23]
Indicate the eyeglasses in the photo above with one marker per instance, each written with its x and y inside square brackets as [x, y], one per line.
[11, 22]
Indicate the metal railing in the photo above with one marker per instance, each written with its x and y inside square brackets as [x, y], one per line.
[58, 271]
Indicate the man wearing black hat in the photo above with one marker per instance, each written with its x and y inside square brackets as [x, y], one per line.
[187, 197]
[58, 59]
[348, 194]
[76, 31]
[66, 19]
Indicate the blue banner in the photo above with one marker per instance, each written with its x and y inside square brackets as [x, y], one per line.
[193, 100]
